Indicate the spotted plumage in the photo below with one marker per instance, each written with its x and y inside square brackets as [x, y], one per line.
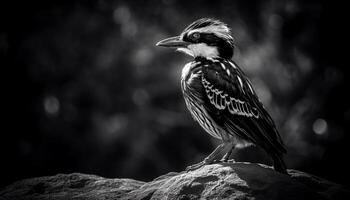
[219, 95]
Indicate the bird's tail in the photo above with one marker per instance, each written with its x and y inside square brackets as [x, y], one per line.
[278, 164]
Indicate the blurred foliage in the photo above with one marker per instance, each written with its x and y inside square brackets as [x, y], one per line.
[90, 92]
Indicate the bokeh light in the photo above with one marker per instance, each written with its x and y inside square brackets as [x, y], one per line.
[51, 105]
[320, 126]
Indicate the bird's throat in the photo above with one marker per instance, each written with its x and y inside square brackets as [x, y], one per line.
[200, 50]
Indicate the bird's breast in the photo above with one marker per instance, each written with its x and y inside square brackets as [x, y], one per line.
[191, 75]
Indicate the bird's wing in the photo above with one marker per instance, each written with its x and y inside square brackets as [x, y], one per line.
[235, 105]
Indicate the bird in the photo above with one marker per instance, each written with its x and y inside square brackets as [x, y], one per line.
[220, 96]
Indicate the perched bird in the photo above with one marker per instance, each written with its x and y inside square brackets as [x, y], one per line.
[219, 95]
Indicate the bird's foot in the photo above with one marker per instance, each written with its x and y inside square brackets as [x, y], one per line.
[231, 161]
[201, 164]
[227, 160]
[195, 166]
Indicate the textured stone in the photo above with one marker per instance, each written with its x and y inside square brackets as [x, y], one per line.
[217, 181]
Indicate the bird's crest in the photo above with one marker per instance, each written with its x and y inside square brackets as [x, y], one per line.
[208, 25]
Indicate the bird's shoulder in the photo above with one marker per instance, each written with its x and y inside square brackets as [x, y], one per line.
[226, 75]
[228, 88]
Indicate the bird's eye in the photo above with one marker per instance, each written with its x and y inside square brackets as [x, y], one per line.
[195, 35]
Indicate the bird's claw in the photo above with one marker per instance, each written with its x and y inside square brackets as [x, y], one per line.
[201, 164]
[195, 166]
[227, 161]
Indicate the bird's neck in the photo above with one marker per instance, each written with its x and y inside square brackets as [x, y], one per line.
[225, 51]
[208, 59]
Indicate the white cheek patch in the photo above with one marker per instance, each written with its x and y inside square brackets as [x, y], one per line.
[185, 50]
[203, 50]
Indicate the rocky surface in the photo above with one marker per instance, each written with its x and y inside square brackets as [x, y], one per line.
[217, 181]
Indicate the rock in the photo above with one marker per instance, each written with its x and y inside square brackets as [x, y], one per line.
[216, 181]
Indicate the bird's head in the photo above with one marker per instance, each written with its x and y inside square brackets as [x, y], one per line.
[203, 38]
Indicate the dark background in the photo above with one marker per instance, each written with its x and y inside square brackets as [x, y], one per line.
[86, 90]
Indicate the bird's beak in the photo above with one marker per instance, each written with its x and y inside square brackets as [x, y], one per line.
[175, 42]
